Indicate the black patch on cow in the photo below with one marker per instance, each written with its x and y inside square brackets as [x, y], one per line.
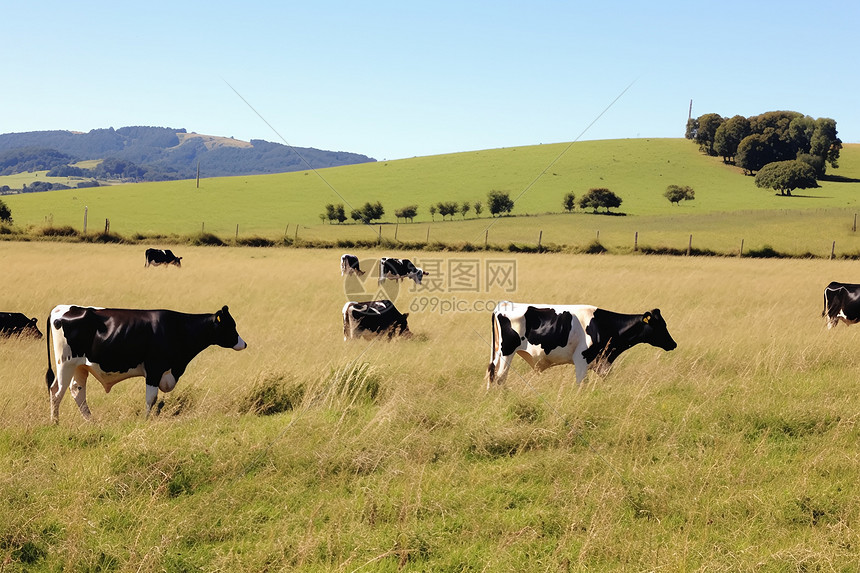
[612, 333]
[379, 317]
[119, 340]
[510, 340]
[547, 328]
[842, 297]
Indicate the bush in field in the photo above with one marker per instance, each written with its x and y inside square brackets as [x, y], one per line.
[499, 202]
[600, 197]
[786, 176]
[676, 193]
[447, 208]
[5, 212]
[407, 212]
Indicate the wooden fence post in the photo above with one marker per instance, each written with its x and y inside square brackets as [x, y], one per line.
[833, 250]
[741, 252]
[486, 237]
[690, 246]
[427, 240]
[396, 227]
[237, 231]
[85, 219]
[854, 228]
[540, 238]
[636, 242]
[107, 226]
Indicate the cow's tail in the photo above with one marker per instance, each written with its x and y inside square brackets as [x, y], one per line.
[49, 375]
[491, 368]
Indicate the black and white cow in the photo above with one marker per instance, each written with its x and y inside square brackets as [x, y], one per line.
[349, 265]
[398, 269]
[582, 335]
[115, 344]
[162, 257]
[17, 324]
[373, 318]
[841, 302]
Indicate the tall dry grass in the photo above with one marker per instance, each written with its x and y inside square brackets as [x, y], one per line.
[736, 451]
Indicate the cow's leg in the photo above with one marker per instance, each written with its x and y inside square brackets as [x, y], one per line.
[499, 368]
[65, 373]
[151, 397]
[79, 391]
[580, 365]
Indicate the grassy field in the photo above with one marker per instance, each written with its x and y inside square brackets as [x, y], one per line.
[728, 207]
[737, 451]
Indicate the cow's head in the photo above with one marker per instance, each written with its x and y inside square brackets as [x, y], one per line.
[655, 332]
[400, 327]
[419, 274]
[33, 328]
[226, 335]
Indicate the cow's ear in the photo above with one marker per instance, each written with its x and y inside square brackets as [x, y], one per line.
[405, 316]
[646, 318]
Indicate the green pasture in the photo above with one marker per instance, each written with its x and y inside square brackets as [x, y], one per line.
[737, 451]
[728, 207]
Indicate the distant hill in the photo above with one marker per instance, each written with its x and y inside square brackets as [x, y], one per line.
[157, 154]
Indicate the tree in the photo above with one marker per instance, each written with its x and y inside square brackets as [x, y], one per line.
[707, 130]
[729, 135]
[676, 193]
[569, 201]
[824, 142]
[600, 197]
[356, 215]
[334, 213]
[5, 212]
[465, 207]
[407, 212]
[753, 153]
[372, 211]
[447, 208]
[499, 202]
[432, 212]
[786, 176]
[478, 208]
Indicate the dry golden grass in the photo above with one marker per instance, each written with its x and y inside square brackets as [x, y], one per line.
[737, 451]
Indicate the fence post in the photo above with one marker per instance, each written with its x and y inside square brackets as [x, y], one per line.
[428, 235]
[85, 219]
[741, 252]
[690, 246]
[237, 231]
[540, 238]
[854, 228]
[203, 227]
[287, 228]
[636, 242]
[598, 235]
[396, 227]
[833, 250]
[107, 226]
[486, 238]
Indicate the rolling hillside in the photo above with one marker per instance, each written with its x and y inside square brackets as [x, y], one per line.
[638, 170]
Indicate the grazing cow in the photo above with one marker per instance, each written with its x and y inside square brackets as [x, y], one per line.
[841, 302]
[162, 257]
[399, 269]
[115, 344]
[349, 265]
[373, 318]
[582, 335]
[17, 324]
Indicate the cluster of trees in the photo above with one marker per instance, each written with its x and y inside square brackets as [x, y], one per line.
[751, 143]
[595, 198]
[368, 213]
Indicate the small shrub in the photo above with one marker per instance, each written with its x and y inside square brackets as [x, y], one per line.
[65, 231]
[271, 396]
[255, 242]
[207, 239]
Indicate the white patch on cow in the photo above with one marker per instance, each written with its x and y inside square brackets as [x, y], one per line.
[240, 344]
[534, 354]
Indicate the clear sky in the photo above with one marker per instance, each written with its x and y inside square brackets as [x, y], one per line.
[402, 79]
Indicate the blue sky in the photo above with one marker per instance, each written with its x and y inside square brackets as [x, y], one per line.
[403, 79]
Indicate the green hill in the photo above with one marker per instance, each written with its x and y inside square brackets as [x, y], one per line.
[638, 170]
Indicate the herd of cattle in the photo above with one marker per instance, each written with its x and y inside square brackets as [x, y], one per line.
[116, 344]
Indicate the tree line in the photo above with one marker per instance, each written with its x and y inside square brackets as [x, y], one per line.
[784, 150]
